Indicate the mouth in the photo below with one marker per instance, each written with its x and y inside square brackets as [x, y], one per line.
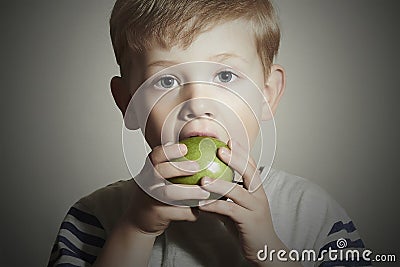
[203, 128]
[189, 134]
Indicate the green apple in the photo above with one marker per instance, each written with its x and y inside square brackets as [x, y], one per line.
[203, 149]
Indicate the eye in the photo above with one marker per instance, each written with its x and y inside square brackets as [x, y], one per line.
[167, 82]
[226, 76]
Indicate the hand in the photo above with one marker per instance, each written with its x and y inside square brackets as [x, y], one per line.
[249, 209]
[148, 210]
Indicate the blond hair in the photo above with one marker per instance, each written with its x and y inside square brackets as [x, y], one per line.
[137, 25]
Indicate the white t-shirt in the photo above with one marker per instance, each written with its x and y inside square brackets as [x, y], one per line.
[303, 215]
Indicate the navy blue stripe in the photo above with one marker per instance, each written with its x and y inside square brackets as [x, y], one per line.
[338, 226]
[75, 252]
[61, 252]
[84, 237]
[66, 252]
[85, 217]
[345, 263]
[350, 244]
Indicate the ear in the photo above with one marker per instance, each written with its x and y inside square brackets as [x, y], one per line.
[122, 97]
[273, 90]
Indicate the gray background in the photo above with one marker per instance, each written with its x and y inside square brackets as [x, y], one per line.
[61, 132]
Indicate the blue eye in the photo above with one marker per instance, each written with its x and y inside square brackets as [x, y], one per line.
[167, 82]
[226, 76]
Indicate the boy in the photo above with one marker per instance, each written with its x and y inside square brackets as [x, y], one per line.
[122, 225]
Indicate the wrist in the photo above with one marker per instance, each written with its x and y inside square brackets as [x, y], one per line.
[128, 221]
[129, 225]
[126, 246]
[150, 234]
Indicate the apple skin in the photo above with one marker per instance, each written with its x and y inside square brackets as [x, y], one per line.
[203, 149]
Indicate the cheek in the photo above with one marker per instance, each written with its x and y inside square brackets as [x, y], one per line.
[153, 130]
[251, 125]
[243, 119]
[154, 125]
[161, 121]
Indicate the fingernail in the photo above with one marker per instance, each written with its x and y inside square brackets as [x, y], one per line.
[183, 149]
[206, 180]
[224, 151]
[204, 194]
[169, 143]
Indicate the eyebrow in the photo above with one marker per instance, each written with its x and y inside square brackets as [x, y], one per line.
[224, 56]
[162, 63]
[218, 58]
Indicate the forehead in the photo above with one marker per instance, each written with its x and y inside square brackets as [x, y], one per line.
[228, 42]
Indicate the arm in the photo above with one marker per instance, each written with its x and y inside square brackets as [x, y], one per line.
[132, 239]
[126, 246]
[83, 241]
[249, 208]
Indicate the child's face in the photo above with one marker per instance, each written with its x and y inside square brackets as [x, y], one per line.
[201, 109]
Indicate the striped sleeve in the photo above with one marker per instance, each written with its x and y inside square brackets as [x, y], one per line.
[342, 247]
[79, 240]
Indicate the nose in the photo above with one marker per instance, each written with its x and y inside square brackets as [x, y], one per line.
[197, 103]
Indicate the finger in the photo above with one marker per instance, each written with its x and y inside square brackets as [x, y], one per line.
[231, 190]
[167, 152]
[230, 209]
[173, 169]
[148, 177]
[177, 192]
[240, 163]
